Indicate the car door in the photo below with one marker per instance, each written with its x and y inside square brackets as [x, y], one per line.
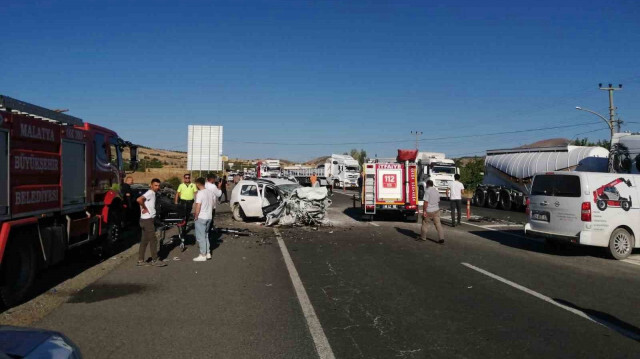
[271, 199]
[555, 204]
[250, 200]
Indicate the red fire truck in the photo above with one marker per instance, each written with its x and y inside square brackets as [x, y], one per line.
[391, 186]
[59, 189]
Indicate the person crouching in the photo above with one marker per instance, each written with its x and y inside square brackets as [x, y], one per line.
[202, 218]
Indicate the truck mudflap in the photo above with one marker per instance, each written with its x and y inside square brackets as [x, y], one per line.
[5, 230]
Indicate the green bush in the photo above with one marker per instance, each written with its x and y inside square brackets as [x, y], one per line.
[174, 181]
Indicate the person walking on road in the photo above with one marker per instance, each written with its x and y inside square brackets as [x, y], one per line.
[147, 204]
[455, 198]
[202, 216]
[431, 211]
[186, 194]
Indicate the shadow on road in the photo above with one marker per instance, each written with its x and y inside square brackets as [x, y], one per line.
[608, 320]
[408, 232]
[566, 250]
[105, 291]
[391, 216]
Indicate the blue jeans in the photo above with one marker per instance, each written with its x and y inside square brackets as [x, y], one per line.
[202, 235]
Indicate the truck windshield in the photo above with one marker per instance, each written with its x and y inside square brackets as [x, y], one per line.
[352, 169]
[443, 169]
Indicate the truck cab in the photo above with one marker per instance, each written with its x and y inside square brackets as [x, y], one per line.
[435, 167]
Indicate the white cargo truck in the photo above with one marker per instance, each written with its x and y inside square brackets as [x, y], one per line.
[270, 169]
[341, 171]
[436, 167]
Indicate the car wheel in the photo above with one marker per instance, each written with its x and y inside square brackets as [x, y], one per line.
[621, 243]
[18, 270]
[602, 204]
[625, 205]
[238, 213]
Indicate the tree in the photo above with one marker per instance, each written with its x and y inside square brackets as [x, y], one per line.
[586, 142]
[359, 156]
[471, 172]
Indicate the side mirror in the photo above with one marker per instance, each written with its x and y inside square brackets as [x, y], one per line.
[133, 163]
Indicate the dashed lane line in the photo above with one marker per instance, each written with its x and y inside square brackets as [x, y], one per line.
[317, 333]
[626, 332]
[374, 224]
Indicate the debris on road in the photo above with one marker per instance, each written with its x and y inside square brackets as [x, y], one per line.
[305, 206]
[236, 231]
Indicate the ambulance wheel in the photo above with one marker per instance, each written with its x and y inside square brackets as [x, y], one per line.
[621, 243]
[602, 204]
[238, 213]
[625, 205]
[18, 270]
[480, 198]
[492, 199]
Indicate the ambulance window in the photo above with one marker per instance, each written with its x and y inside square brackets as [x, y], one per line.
[100, 149]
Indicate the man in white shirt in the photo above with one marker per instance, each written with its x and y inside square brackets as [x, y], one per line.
[213, 184]
[455, 198]
[147, 204]
[431, 210]
[202, 217]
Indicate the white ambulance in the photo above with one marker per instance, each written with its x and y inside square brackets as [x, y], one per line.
[587, 208]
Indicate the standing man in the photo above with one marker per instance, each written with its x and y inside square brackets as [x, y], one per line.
[186, 194]
[213, 185]
[202, 217]
[223, 187]
[313, 179]
[131, 211]
[455, 198]
[431, 210]
[147, 204]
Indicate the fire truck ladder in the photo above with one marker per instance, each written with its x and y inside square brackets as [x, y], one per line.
[16, 106]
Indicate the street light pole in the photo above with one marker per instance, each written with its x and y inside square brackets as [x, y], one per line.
[608, 122]
[417, 133]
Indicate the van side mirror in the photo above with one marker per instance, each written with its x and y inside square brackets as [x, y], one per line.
[133, 162]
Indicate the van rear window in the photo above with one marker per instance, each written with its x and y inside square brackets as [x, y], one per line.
[556, 185]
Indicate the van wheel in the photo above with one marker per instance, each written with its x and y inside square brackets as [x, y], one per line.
[492, 199]
[621, 243]
[505, 201]
[602, 204]
[625, 205]
[18, 270]
[238, 213]
[480, 198]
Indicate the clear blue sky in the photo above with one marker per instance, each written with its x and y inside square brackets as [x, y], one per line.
[326, 71]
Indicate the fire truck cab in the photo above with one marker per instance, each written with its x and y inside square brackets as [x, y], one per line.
[59, 188]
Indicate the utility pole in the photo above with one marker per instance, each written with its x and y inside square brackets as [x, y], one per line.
[418, 134]
[612, 109]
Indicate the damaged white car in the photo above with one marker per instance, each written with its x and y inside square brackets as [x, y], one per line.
[257, 198]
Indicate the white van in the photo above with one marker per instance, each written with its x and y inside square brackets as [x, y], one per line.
[587, 208]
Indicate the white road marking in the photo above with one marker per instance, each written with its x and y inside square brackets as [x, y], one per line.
[631, 261]
[374, 224]
[317, 333]
[599, 321]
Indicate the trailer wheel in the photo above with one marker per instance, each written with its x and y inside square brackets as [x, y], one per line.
[505, 201]
[621, 243]
[18, 270]
[625, 205]
[492, 199]
[480, 198]
[602, 204]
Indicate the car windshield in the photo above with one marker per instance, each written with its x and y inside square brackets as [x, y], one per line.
[286, 189]
[443, 169]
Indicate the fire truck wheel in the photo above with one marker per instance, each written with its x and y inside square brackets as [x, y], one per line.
[420, 193]
[480, 198]
[625, 205]
[18, 271]
[621, 243]
[111, 240]
[602, 204]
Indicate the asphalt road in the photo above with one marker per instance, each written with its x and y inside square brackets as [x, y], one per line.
[376, 292]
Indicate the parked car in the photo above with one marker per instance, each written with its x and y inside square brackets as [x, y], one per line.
[258, 197]
[17, 342]
[586, 208]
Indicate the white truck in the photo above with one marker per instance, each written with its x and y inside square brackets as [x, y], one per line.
[340, 170]
[436, 167]
[270, 169]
